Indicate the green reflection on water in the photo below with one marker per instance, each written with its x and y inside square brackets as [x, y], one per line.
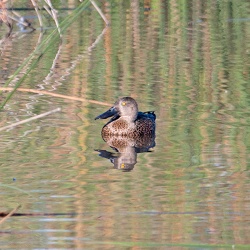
[187, 61]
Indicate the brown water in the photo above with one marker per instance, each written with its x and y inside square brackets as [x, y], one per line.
[190, 64]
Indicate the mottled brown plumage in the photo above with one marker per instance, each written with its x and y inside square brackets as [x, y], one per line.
[127, 121]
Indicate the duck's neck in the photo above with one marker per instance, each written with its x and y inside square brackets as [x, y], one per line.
[130, 118]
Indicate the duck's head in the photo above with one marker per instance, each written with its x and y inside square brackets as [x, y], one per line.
[125, 107]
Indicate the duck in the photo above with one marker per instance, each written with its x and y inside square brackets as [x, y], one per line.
[127, 121]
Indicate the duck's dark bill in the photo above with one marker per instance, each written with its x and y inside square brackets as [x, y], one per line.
[111, 112]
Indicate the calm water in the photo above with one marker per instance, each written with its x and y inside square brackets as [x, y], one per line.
[187, 62]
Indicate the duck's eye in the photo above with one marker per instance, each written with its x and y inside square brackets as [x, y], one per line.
[123, 103]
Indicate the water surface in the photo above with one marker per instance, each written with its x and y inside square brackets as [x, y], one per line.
[187, 62]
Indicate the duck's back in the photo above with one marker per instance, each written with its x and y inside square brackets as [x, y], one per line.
[143, 125]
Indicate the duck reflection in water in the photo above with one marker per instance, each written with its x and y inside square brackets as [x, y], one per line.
[128, 131]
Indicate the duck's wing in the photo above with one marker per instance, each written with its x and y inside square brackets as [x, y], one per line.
[147, 114]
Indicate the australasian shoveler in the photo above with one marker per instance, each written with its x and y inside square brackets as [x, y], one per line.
[127, 121]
